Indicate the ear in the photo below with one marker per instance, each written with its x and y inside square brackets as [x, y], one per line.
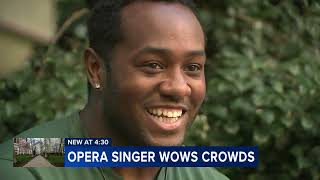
[94, 68]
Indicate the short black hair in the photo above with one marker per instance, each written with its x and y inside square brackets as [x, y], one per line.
[105, 20]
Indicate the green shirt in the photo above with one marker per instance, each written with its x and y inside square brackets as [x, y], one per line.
[71, 127]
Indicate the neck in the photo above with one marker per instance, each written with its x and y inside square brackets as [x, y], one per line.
[91, 117]
[95, 123]
[145, 173]
[93, 120]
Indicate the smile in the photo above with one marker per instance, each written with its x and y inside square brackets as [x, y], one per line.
[165, 115]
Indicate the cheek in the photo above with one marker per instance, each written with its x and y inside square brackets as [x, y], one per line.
[133, 88]
[198, 92]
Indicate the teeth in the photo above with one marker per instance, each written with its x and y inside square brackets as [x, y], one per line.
[166, 114]
[167, 120]
[159, 112]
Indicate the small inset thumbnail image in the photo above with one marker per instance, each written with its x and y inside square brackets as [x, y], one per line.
[38, 152]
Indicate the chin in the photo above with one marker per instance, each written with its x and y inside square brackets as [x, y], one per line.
[166, 141]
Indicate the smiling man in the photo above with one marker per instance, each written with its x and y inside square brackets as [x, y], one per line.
[145, 69]
[152, 83]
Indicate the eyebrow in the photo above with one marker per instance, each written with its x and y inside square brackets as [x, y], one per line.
[157, 50]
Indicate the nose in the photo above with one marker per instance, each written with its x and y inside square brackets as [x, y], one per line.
[175, 86]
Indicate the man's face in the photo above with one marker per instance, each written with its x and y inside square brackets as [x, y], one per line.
[157, 81]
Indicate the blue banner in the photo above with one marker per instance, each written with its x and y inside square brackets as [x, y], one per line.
[101, 154]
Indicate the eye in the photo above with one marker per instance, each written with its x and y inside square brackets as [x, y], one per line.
[193, 68]
[153, 65]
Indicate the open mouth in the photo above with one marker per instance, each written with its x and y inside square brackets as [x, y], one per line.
[166, 115]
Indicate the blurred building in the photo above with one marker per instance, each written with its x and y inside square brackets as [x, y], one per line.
[23, 24]
[22, 146]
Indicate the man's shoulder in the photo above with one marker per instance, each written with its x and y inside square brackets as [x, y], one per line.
[62, 127]
[8, 172]
[196, 173]
[56, 128]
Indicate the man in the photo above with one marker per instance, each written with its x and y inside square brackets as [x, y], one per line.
[145, 68]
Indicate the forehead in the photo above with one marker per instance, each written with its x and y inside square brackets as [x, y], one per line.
[161, 24]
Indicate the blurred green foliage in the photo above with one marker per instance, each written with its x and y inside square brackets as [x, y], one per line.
[263, 84]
